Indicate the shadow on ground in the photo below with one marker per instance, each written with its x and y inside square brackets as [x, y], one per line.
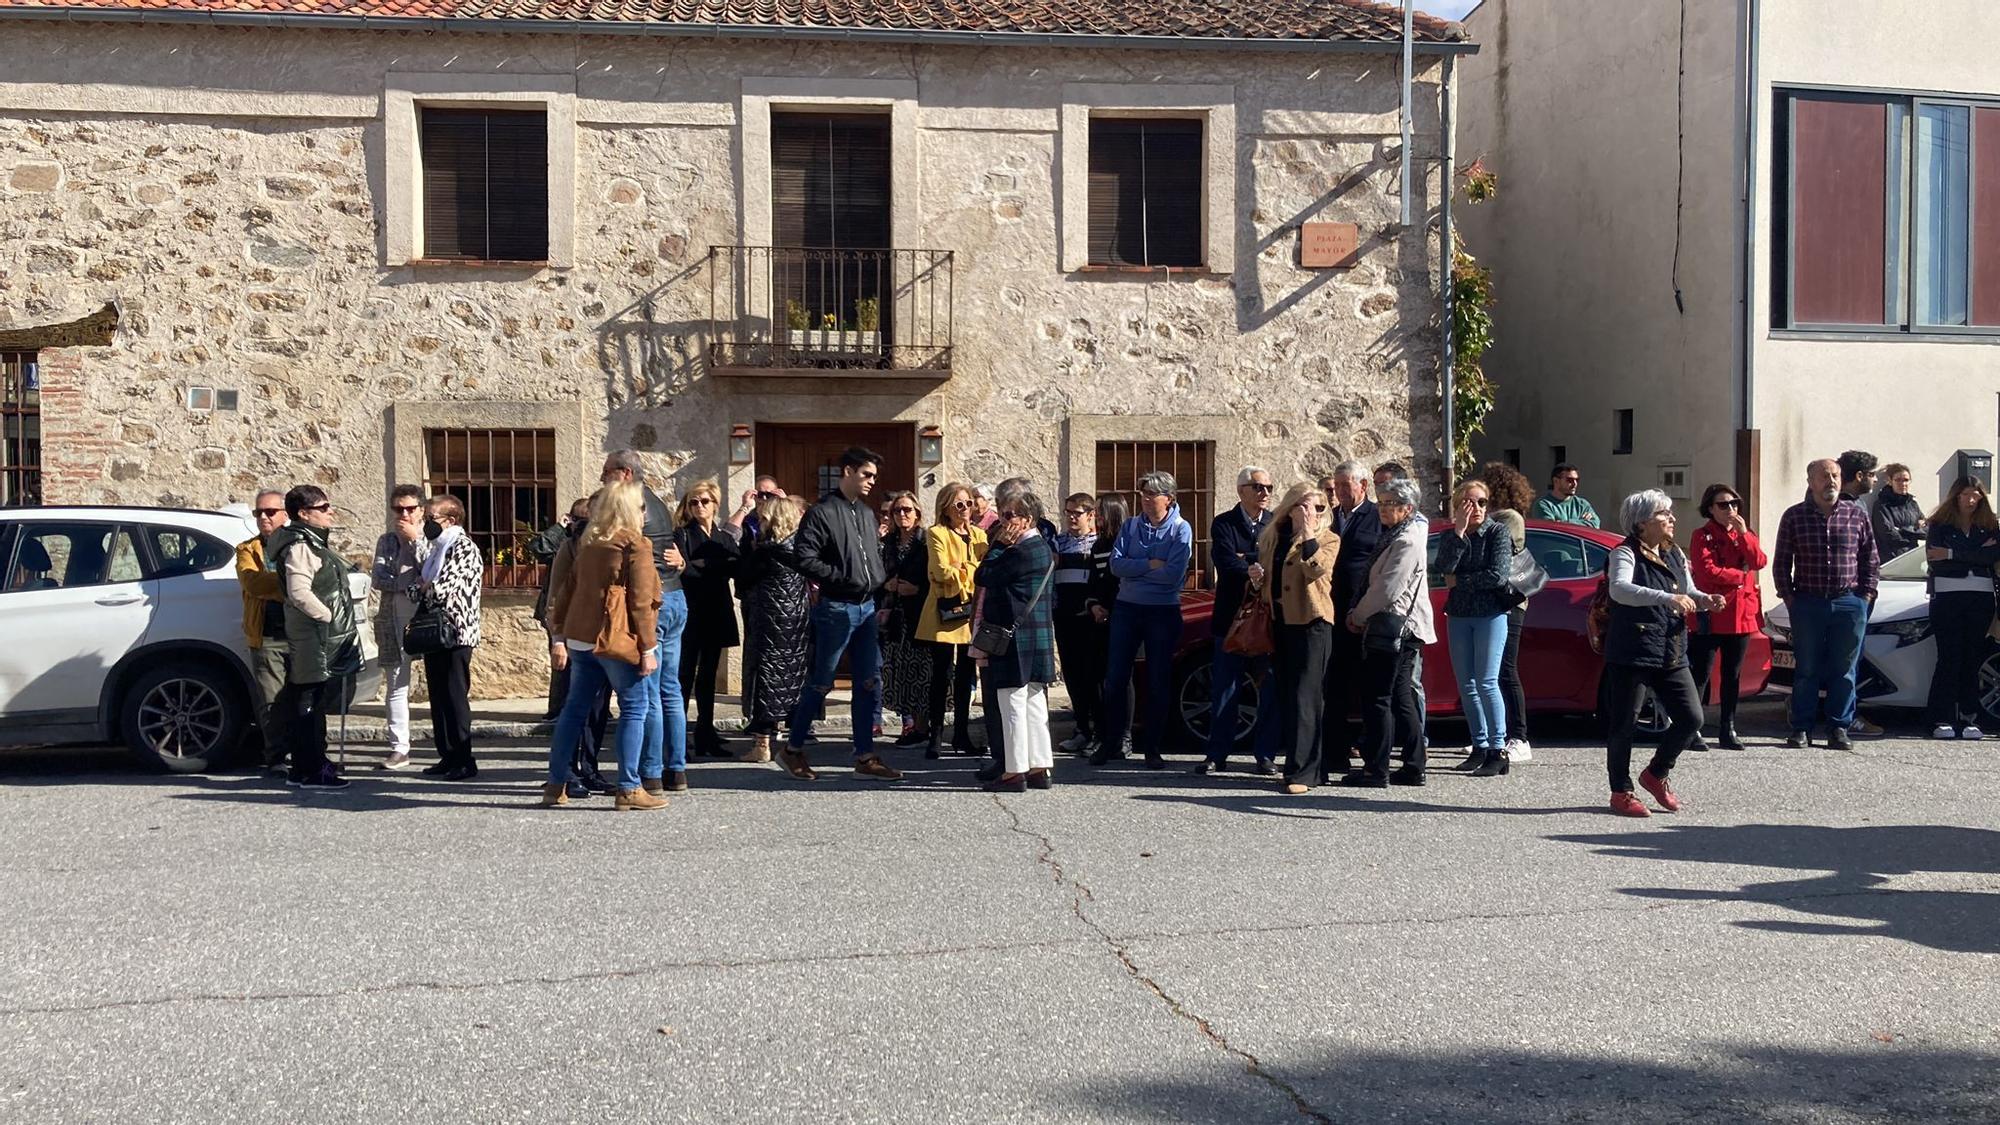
[1853, 867]
[1515, 1087]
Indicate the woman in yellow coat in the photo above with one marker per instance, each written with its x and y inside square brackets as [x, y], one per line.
[956, 546]
[1297, 552]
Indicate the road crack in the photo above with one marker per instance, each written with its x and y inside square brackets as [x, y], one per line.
[1080, 899]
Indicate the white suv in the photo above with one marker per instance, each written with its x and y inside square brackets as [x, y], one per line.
[127, 624]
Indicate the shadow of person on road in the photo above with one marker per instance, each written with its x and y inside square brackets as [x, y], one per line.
[1857, 865]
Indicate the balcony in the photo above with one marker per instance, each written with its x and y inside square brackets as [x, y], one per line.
[777, 311]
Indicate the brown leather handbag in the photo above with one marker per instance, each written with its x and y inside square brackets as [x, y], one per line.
[1250, 633]
[615, 638]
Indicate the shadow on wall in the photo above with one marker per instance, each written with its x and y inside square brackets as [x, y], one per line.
[1853, 867]
[648, 358]
[1729, 1082]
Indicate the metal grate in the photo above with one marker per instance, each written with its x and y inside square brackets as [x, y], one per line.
[1120, 464]
[20, 429]
[507, 481]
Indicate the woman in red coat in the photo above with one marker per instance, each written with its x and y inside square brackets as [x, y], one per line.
[1724, 558]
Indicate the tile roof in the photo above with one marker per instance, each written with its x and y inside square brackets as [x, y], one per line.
[1351, 20]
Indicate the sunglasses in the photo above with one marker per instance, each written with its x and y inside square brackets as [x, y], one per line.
[1076, 513]
[904, 511]
[270, 513]
[961, 503]
[1264, 488]
[1315, 507]
[767, 496]
[404, 509]
[319, 507]
[1477, 501]
[701, 501]
[1728, 504]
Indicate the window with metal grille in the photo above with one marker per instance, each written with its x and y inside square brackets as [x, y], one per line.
[1120, 464]
[507, 481]
[486, 184]
[1145, 192]
[20, 429]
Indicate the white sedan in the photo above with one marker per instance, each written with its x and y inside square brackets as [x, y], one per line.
[1898, 651]
[126, 624]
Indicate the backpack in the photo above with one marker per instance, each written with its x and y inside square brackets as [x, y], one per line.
[1599, 618]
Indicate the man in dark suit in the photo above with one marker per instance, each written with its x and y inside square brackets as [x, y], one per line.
[1232, 552]
[1353, 517]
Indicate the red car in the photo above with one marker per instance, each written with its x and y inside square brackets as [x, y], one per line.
[1559, 672]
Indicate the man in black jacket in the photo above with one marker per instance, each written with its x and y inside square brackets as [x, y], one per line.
[838, 549]
[1353, 517]
[1232, 552]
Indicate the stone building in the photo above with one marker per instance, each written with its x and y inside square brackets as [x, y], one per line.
[476, 247]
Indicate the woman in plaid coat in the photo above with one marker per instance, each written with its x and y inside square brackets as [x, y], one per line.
[1016, 582]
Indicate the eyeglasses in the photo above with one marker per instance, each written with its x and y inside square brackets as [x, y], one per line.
[961, 503]
[701, 501]
[405, 509]
[270, 513]
[1569, 479]
[868, 474]
[905, 511]
[1076, 513]
[1264, 488]
[1477, 501]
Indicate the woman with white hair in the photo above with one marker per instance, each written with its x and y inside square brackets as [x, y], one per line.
[1393, 618]
[1645, 647]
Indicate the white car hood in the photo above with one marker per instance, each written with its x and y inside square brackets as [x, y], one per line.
[1896, 599]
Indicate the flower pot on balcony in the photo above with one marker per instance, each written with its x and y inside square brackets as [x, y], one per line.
[831, 340]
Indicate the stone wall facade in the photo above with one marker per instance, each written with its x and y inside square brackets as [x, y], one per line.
[230, 190]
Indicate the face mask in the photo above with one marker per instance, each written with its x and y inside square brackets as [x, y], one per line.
[433, 529]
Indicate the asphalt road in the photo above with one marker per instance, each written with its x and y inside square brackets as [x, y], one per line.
[1816, 938]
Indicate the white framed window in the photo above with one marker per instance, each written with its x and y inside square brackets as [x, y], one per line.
[1148, 177]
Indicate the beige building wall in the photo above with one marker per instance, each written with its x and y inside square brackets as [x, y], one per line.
[1575, 110]
[243, 196]
[1916, 400]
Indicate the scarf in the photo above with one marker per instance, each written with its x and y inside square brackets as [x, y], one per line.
[440, 547]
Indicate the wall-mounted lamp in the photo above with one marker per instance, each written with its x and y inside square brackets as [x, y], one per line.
[930, 445]
[739, 444]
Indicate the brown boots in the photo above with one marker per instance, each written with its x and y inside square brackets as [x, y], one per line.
[638, 800]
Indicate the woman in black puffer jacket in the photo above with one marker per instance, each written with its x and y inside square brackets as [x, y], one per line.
[1898, 519]
[775, 607]
[1477, 552]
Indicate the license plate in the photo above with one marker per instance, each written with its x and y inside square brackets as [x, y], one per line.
[1782, 659]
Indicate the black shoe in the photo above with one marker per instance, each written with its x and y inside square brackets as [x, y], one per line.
[465, 772]
[1205, 767]
[1726, 738]
[1362, 779]
[676, 781]
[437, 769]
[1699, 744]
[912, 737]
[1155, 762]
[1106, 754]
[577, 790]
[1265, 767]
[1494, 766]
[596, 783]
[1041, 779]
[931, 750]
[1408, 775]
[1837, 739]
[990, 772]
[996, 785]
[1798, 740]
[1474, 760]
[324, 779]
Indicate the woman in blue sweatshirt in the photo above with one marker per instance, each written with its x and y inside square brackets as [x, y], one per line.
[1150, 560]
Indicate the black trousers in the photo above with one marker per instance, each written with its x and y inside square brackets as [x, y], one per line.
[996, 731]
[448, 674]
[592, 740]
[951, 670]
[1703, 649]
[701, 657]
[1959, 620]
[1081, 643]
[1346, 694]
[1299, 676]
[305, 707]
[1674, 688]
[1394, 715]
[1510, 678]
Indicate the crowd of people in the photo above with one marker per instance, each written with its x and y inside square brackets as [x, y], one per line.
[1322, 609]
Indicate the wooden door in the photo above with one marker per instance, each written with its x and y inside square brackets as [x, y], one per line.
[806, 458]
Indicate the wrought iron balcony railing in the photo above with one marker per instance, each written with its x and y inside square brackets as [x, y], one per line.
[776, 309]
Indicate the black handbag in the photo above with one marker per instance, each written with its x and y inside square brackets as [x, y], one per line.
[426, 632]
[1384, 633]
[950, 611]
[1525, 576]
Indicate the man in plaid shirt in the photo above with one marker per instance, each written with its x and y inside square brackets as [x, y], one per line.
[1826, 572]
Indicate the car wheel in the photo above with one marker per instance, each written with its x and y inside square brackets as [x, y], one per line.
[1989, 688]
[1193, 696]
[183, 717]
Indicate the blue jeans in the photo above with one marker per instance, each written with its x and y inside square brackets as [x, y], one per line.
[1225, 680]
[1478, 644]
[666, 719]
[842, 627]
[1158, 628]
[589, 675]
[1826, 641]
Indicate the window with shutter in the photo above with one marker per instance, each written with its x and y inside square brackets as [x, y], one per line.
[830, 192]
[1145, 192]
[486, 184]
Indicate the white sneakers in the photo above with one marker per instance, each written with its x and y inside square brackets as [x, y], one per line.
[1943, 732]
[1971, 733]
[1519, 751]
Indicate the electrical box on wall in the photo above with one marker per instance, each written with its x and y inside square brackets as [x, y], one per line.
[1673, 480]
[1978, 464]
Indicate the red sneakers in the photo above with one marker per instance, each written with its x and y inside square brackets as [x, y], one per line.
[1625, 804]
[1657, 786]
